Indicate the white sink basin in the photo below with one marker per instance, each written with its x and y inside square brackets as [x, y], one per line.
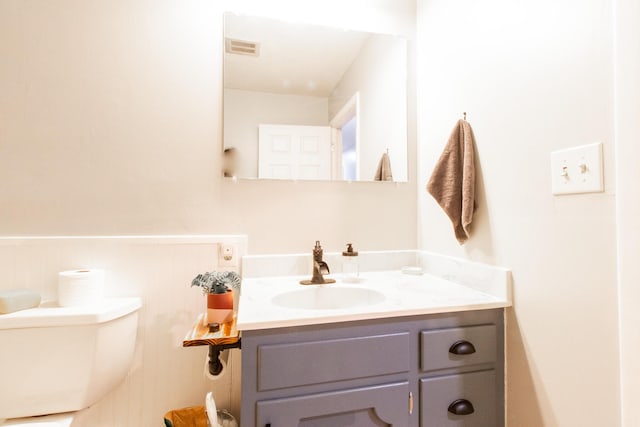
[328, 297]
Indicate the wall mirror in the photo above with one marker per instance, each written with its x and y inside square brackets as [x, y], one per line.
[313, 102]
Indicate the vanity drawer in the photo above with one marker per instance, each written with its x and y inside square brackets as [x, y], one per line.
[464, 400]
[314, 362]
[456, 347]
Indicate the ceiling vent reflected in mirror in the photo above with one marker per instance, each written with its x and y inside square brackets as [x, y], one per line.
[241, 47]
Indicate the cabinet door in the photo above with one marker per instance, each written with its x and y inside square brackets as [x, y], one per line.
[377, 406]
[464, 400]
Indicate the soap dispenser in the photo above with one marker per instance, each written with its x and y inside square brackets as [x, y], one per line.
[350, 268]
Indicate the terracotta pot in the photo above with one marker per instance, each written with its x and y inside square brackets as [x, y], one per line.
[220, 307]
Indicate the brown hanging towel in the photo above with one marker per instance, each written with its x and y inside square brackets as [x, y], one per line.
[452, 182]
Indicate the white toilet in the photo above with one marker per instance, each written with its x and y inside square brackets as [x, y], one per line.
[59, 360]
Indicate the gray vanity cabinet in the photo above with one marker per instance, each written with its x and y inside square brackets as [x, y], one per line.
[443, 370]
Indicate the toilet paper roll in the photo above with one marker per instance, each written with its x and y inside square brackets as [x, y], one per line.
[80, 287]
[224, 358]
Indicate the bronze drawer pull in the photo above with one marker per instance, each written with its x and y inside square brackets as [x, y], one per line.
[462, 347]
[461, 407]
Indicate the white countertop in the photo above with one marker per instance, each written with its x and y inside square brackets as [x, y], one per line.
[405, 295]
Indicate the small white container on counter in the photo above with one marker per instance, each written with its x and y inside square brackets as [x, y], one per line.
[80, 287]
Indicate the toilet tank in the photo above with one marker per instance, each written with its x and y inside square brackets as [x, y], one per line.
[61, 359]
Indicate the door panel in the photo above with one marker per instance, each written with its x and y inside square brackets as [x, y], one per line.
[294, 152]
[384, 405]
[318, 362]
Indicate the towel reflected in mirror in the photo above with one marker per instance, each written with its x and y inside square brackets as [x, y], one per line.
[383, 173]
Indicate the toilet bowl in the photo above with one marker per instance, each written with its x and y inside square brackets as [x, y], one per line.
[59, 360]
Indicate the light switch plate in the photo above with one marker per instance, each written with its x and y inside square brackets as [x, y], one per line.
[577, 170]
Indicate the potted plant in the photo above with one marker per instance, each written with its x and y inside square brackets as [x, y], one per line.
[218, 287]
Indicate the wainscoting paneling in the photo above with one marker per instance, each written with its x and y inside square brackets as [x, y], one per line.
[164, 375]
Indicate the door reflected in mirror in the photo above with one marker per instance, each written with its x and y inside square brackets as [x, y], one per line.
[310, 102]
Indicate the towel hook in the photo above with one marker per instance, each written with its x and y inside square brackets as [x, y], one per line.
[464, 117]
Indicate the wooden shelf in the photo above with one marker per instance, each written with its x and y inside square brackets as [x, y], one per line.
[200, 335]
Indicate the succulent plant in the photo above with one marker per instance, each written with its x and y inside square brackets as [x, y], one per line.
[217, 282]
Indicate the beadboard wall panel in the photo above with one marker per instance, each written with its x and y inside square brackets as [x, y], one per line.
[164, 375]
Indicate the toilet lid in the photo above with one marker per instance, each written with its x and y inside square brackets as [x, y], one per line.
[49, 314]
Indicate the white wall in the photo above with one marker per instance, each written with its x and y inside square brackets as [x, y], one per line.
[244, 110]
[627, 92]
[112, 124]
[533, 77]
[164, 375]
[377, 16]
[382, 119]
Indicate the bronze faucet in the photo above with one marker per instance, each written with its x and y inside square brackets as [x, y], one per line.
[319, 268]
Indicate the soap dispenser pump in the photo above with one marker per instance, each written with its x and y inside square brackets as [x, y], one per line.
[350, 268]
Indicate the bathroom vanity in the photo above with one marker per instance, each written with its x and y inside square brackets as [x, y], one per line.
[392, 350]
[429, 371]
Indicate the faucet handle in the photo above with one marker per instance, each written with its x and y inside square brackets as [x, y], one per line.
[317, 251]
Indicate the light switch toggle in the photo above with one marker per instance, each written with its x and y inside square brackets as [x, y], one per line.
[583, 168]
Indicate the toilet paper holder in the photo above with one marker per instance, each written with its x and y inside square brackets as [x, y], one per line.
[215, 365]
[218, 337]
